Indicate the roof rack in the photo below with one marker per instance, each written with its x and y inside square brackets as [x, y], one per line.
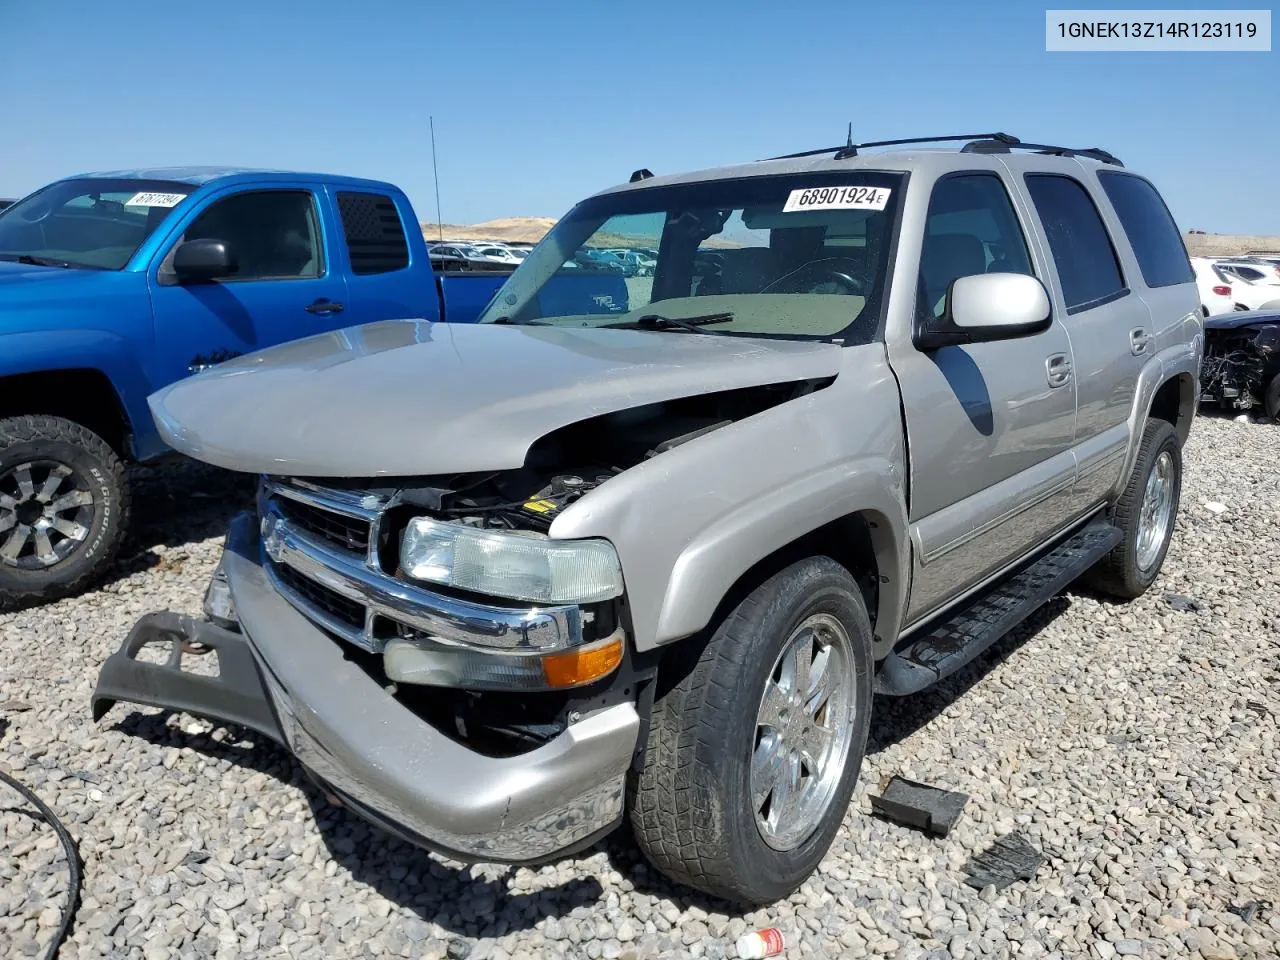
[978, 143]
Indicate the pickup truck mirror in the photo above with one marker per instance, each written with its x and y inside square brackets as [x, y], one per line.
[988, 306]
[199, 261]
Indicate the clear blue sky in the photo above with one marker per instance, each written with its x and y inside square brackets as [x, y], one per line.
[539, 102]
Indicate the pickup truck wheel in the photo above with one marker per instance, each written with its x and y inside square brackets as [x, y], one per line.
[756, 739]
[63, 508]
[1145, 513]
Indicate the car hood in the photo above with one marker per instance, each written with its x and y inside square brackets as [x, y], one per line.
[407, 397]
[1241, 318]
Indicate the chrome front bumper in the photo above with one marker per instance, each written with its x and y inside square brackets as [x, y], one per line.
[369, 749]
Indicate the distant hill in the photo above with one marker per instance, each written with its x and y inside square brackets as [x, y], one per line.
[1228, 245]
[518, 229]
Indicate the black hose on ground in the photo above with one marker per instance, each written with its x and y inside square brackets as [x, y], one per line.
[73, 861]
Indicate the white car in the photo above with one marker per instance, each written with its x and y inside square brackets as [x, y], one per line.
[1255, 284]
[500, 254]
[1215, 287]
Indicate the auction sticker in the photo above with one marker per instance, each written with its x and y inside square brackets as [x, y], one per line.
[837, 198]
[155, 200]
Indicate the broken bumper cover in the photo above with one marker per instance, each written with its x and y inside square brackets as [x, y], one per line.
[287, 679]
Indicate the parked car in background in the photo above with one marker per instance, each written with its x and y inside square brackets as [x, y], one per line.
[637, 263]
[460, 257]
[500, 254]
[6, 202]
[601, 261]
[1214, 285]
[1255, 284]
[113, 285]
[1241, 368]
[649, 553]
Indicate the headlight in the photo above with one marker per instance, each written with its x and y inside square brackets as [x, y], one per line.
[510, 564]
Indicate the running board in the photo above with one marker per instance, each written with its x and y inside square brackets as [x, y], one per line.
[941, 648]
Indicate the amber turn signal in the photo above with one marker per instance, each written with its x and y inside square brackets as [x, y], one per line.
[584, 664]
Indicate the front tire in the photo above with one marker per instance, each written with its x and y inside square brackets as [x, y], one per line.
[1146, 514]
[1271, 399]
[756, 738]
[64, 508]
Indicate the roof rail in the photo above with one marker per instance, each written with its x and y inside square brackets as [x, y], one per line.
[994, 146]
[978, 143]
[850, 149]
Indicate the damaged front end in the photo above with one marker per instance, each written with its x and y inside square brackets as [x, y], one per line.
[427, 650]
[1241, 362]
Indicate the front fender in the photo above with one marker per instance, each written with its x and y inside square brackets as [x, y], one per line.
[107, 353]
[688, 523]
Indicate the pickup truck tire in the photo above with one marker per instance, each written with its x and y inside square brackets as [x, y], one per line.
[1146, 514]
[710, 754]
[65, 481]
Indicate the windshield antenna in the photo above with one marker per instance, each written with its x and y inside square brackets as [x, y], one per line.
[848, 150]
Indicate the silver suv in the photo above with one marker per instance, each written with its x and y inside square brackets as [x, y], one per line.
[647, 547]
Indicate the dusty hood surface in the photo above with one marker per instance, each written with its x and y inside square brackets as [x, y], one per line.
[406, 397]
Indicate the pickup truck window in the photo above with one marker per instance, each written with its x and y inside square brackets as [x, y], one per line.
[91, 223]
[1088, 269]
[374, 233]
[273, 234]
[1150, 227]
[800, 256]
[971, 228]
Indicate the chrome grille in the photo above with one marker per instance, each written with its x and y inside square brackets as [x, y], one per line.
[320, 549]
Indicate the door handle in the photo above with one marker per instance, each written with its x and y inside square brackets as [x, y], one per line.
[1138, 341]
[324, 306]
[1057, 370]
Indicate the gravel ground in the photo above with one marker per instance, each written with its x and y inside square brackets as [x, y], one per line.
[1136, 745]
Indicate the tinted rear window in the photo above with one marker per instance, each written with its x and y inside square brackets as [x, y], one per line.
[1150, 228]
[375, 235]
[1081, 247]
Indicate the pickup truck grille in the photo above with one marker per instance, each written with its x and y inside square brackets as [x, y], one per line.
[320, 548]
[344, 532]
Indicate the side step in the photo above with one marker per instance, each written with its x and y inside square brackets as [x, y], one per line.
[942, 647]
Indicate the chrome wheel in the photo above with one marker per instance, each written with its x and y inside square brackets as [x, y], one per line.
[1156, 516]
[46, 511]
[804, 727]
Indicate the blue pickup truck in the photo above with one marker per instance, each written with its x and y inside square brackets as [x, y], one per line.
[113, 285]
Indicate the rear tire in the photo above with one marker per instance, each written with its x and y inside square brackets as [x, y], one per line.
[773, 707]
[1146, 514]
[64, 508]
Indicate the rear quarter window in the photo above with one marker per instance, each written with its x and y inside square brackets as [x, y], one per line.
[1150, 227]
[375, 235]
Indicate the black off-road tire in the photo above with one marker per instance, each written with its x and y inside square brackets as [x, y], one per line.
[39, 438]
[690, 805]
[1118, 574]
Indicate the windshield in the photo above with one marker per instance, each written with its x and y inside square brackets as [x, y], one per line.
[800, 257]
[93, 223]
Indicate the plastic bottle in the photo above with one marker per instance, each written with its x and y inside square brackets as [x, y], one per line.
[761, 943]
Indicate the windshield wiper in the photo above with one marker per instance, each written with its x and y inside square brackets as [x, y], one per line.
[656, 321]
[523, 323]
[36, 261]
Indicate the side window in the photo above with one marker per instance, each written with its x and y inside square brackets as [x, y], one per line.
[375, 235]
[273, 234]
[1150, 229]
[971, 228]
[1087, 266]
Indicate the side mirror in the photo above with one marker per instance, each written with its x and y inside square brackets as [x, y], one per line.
[988, 306]
[199, 261]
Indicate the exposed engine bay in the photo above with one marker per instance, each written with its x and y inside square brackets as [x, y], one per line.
[1239, 365]
[567, 464]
